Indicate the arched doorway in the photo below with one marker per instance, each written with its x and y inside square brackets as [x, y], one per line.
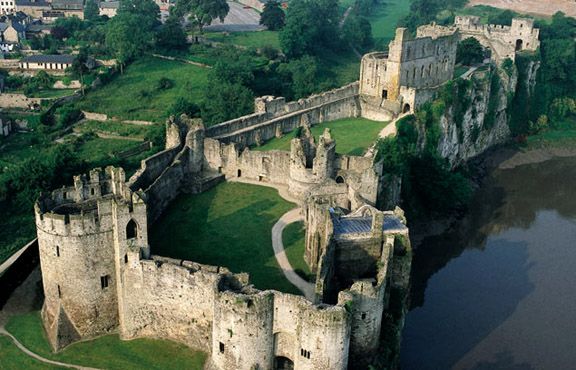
[131, 230]
[406, 108]
[339, 180]
[519, 44]
[283, 363]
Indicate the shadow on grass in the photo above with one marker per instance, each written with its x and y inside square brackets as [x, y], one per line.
[229, 225]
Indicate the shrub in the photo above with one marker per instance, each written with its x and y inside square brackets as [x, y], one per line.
[164, 84]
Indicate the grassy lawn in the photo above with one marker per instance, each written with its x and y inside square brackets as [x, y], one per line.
[353, 135]
[108, 352]
[12, 358]
[563, 134]
[385, 18]
[117, 128]
[135, 94]
[97, 149]
[294, 242]
[229, 225]
[256, 39]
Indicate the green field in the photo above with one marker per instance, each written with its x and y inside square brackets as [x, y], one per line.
[294, 242]
[385, 19]
[255, 39]
[353, 135]
[117, 128]
[229, 225]
[108, 352]
[12, 358]
[135, 95]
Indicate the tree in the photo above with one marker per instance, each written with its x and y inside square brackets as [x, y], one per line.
[148, 11]
[201, 12]
[273, 16]
[357, 32]
[80, 67]
[91, 10]
[302, 75]
[59, 32]
[311, 25]
[224, 101]
[469, 52]
[126, 37]
[503, 18]
[171, 35]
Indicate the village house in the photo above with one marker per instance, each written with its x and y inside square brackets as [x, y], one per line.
[108, 8]
[47, 62]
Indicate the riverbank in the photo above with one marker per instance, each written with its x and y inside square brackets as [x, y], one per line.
[504, 157]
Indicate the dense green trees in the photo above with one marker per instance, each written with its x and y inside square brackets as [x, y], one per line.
[273, 16]
[201, 12]
[228, 94]
[171, 35]
[425, 11]
[91, 11]
[357, 31]
[126, 37]
[311, 25]
[470, 52]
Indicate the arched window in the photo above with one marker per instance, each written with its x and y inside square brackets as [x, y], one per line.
[131, 230]
[339, 180]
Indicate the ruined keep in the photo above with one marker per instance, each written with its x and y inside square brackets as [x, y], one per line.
[100, 275]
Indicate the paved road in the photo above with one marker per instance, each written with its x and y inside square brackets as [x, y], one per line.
[239, 19]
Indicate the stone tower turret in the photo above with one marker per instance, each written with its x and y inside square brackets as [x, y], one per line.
[84, 232]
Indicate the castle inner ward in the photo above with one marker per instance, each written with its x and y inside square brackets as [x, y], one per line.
[101, 276]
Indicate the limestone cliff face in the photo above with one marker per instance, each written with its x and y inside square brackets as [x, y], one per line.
[482, 122]
[478, 118]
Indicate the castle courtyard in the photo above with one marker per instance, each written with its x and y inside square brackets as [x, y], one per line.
[354, 135]
[229, 225]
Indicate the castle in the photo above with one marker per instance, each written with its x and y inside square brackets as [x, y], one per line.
[101, 276]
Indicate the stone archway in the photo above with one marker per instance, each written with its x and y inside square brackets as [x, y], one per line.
[406, 108]
[519, 44]
[283, 363]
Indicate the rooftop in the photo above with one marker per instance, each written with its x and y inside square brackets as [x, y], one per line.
[358, 225]
[64, 59]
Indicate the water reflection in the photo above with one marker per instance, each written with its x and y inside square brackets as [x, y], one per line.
[497, 293]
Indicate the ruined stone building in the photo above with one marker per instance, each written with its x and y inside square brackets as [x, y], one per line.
[413, 69]
[100, 275]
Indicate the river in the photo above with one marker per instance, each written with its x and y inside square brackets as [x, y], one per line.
[499, 291]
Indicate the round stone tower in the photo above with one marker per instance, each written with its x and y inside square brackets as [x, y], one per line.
[82, 233]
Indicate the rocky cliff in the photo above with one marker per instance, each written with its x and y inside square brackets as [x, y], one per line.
[476, 110]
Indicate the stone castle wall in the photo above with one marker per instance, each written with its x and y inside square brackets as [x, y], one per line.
[275, 117]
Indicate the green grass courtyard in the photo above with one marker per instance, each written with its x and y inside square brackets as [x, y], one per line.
[229, 225]
[137, 94]
[107, 352]
[353, 135]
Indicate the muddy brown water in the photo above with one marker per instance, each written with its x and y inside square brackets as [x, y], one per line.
[499, 291]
